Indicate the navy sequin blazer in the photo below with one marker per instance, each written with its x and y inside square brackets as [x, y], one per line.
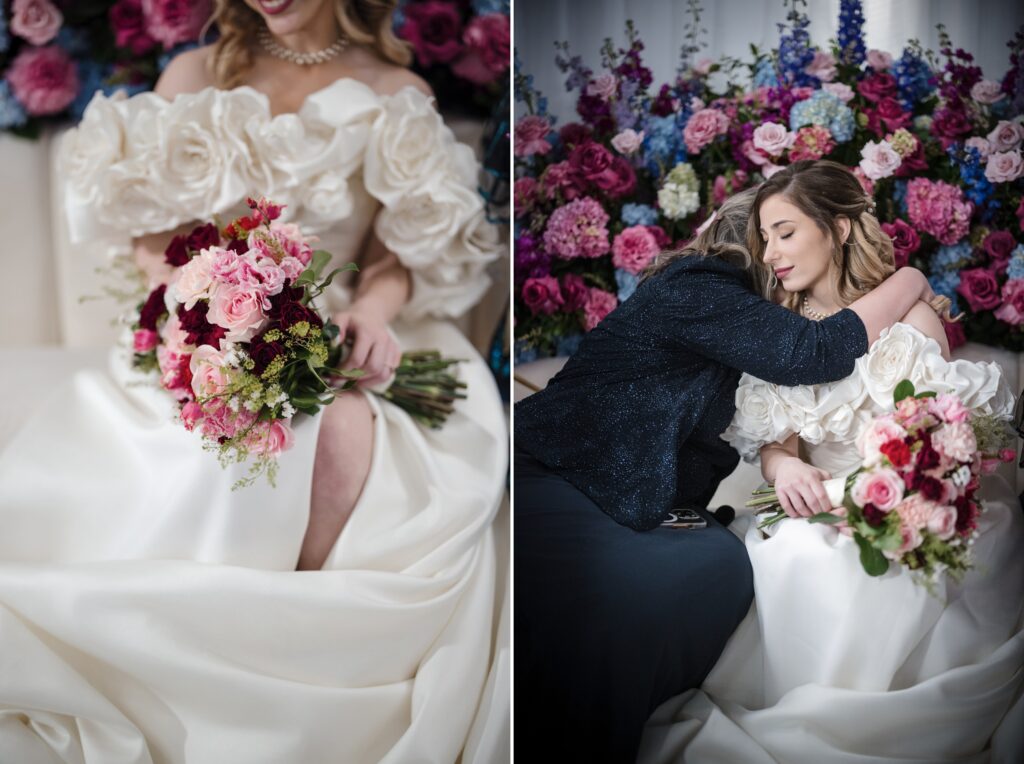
[633, 420]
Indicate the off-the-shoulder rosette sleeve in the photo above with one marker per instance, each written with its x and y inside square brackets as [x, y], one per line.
[761, 417]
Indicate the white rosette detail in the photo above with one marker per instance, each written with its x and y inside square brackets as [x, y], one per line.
[761, 417]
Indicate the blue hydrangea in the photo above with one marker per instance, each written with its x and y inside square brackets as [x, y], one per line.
[1015, 270]
[662, 138]
[74, 41]
[951, 257]
[945, 284]
[824, 108]
[12, 114]
[482, 7]
[899, 195]
[977, 187]
[93, 76]
[627, 283]
[913, 78]
[851, 32]
[568, 344]
[525, 354]
[639, 214]
[5, 39]
[765, 75]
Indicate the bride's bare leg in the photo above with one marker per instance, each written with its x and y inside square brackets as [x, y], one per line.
[343, 454]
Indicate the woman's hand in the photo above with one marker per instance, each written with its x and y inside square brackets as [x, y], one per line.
[374, 350]
[800, 489]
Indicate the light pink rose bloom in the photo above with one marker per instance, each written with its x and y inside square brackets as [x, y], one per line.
[191, 413]
[865, 182]
[773, 139]
[911, 539]
[987, 91]
[194, 280]
[603, 87]
[981, 144]
[948, 408]
[44, 80]
[174, 21]
[270, 438]
[876, 435]
[840, 90]
[942, 523]
[634, 248]
[238, 309]
[751, 152]
[882, 487]
[880, 160]
[628, 141]
[1004, 167]
[822, 66]
[703, 127]
[37, 21]
[1006, 136]
[209, 376]
[144, 340]
[879, 60]
[955, 440]
[530, 136]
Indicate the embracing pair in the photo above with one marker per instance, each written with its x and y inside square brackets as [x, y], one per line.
[790, 296]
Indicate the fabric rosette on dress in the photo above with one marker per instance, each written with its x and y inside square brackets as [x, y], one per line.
[831, 664]
[157, 615]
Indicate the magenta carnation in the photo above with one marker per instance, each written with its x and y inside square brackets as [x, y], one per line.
[599, 304]
[44, 80]
[531, 136]
[542, 295]
[577, 229]
[170, 22]
[938, 208]
[634, 248]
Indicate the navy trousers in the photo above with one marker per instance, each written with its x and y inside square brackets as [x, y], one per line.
[610, 622]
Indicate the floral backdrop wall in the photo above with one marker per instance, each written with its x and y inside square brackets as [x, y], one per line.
[639, 166]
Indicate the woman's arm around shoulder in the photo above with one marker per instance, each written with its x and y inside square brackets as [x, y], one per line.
[923, 318]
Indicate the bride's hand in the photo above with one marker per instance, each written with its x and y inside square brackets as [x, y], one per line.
[374, 350]
[800, 489]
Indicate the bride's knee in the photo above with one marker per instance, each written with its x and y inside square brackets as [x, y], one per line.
[345, 445]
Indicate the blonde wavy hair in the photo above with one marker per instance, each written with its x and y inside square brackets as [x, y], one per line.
[826, 191]
[362, 22]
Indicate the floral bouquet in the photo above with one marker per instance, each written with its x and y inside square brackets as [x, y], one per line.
[913, 499]
[640, 166]
[55, 55]
[238, 341]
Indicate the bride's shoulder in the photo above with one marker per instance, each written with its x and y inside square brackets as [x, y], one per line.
[188, 72]
[926, 321]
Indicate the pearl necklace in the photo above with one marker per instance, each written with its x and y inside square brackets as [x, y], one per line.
[813, 314]
[274, 48]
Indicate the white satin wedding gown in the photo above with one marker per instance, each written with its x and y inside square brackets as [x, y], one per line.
[832, 665]
[150, 614]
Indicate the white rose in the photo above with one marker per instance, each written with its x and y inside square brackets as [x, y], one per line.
[89, 149]
[840, 422]
[987, 91]
[628, 141]
[134, 200]
[421, 225]
[194, 280]
[773, 139]
[1006, 135]
[409, 144]
[889, 361]
[327, 196]
[238, 115]
[880, 160]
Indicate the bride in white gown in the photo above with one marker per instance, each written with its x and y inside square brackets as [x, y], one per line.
[150, 614]
[830, 664]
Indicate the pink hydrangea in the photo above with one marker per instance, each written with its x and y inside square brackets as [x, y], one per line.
[938, 208]
[44, 80]
[1012, 309]
[703, 127]
[634, 248]
[812, 142]
[531, 136]
[599, 304]
[561, 178]
[175, 21]
[578, 229]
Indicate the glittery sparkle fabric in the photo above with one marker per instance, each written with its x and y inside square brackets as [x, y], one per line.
[633, 420]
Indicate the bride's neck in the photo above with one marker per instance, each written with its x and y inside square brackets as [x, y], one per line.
[823, 296]
[321, 32]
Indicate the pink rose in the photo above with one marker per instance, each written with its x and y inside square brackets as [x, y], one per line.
[488, 42]
[879, 160]
[981, 144]
[175, 338]
[270, 438]
[599, 304]
[955, 335]
[174, 21]
[209, 376]
[524, 192]
[1004, 167]
[1012, 311]
[754, 154]
[980, 288]
[191, 413]
[175, 373]
[574, 292]
[875, 435]
[239, 309]
[840, 90]
[633, 249]
[144, 340]
[877, 86]
[905, 240]
[911, 412]
[129, 25]
[865, 182]
[882, 487]
[44, 80]
[822, 66]
[879, 60]
[530, 136]
[948, 408]
[542, 295]
[194, 280]
[1006, 136]
[719, 192]
[592, 161]
[942, 522]
[987, 91]
[888, 114]
[703, 127]
[628, 141]
[37, 21]
[910, 540]
[603, 87]
[999, 246]
[622, 180]
[773, 139]
[956, 441]
[433, 28]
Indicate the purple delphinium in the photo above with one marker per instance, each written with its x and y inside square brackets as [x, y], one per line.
[795, 51]
[851, 33]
